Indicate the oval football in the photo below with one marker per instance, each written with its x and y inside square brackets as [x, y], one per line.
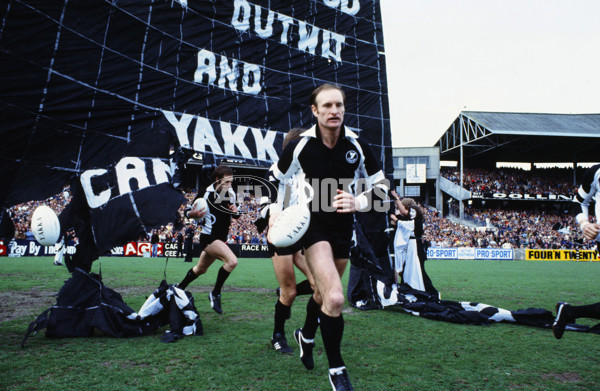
[200, 204]
[290, 226]
[45, 226]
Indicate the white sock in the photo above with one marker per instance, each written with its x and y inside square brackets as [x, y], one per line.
[333, 371]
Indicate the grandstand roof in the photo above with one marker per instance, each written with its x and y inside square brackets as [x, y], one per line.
[488, 137]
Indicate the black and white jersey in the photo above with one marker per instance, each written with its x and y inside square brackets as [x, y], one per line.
[217, 220]
[588, 193]
[350, 166]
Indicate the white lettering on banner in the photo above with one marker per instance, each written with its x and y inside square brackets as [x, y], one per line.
[117, 251]
[264, 144]
[235, 139]
[286, 21]
[466, 253]
[170, 246]
[309, 37]
[144, 247]
[525, 196]
[128, 169]
[267, 31]
[343, 4]
[94, 200]
[209, 64]
[204, 135]
[33, 249]
[15, 249]
[442, 253]
[493, 253]
[130, 249]
[181, 125]
[254, 247]
[307, 34]
[469, 253]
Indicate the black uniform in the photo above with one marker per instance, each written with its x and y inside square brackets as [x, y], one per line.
[215, 224]
[328, 170]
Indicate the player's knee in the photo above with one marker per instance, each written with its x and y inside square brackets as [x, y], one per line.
[336, 301]
[288, 294]
[231, 264]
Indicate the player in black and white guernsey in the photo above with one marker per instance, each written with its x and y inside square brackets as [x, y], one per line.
[332, 159]
[215, 224]
[587, 195]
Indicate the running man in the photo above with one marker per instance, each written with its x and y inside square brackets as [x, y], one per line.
[331, 157]
[284, 260]
[213, 237]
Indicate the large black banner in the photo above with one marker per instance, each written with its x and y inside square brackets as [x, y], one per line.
[88, 82]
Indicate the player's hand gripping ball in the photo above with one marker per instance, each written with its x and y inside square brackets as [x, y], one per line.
[200, 208]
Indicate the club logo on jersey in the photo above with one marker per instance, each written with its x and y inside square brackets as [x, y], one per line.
[351, 156]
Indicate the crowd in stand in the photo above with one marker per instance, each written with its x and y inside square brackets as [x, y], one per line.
[514, 180]
[243, 230]
[505, 228]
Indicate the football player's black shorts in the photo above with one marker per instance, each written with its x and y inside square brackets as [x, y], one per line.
[205, 240]
[294, 248]
[340, 240]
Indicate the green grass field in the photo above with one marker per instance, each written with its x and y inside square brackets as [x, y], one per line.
[383, 350]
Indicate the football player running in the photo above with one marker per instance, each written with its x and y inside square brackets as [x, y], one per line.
[326, 154]
[215, 222]
[284, 260]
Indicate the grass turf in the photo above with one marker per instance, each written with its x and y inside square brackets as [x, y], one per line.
[384, 350]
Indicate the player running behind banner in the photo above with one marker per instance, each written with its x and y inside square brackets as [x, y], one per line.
[284, 260]
[326, 154]
[587, 193]
[213, 237]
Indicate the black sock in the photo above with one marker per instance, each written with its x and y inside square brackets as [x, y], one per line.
[221, 277]
[303, 288]
[585, 311]
[282, 313]
[311, 323]
[189, 277]
[332, 330]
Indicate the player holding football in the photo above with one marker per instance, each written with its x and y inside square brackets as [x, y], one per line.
[327, 154]
[213, 237]
[587, 193]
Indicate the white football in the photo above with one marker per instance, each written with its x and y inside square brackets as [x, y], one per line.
[200, 205]
[290, 226]
[45, 226]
